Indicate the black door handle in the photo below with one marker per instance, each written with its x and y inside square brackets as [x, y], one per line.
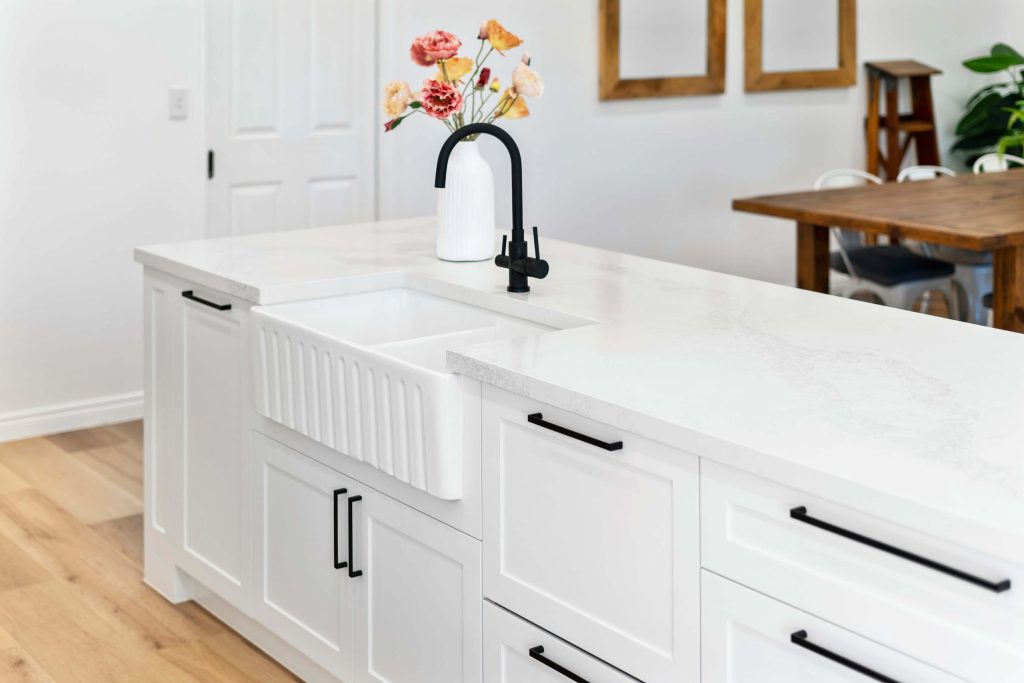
[220, 307]
[799, 638]
[538, 654]
[337, 563]
[538, 419]
[352, 573]
[800, 515]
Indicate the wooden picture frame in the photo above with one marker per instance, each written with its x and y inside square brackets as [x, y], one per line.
[758, 80]
[612, 87]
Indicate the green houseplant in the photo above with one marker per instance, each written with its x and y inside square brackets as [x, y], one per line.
[1013, 140]
[988, 115]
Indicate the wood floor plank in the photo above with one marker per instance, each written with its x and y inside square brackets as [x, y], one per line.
[98, 437]
[131, 433]
[18, 569]
[117, 464]
[203, 663]
[9, 481]
[6, 640]
[98, 573]
[17, 666]
[78, 488]
[68, 639]
[249, 659]
[125, 534]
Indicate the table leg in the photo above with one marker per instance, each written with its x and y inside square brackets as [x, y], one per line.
[1008, 297]
[812, 257]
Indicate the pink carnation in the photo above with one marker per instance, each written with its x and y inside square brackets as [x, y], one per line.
[427, 50]
[440, 100]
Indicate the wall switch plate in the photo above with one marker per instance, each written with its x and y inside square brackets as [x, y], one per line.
[177, 103]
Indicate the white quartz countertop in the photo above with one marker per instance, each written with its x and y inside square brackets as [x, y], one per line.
[781, 382]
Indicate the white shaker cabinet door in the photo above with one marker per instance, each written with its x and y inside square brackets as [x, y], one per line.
[516, 651]
[747, 637]
[216, 530]
[593, 534]
[418, 595]
[305, 595]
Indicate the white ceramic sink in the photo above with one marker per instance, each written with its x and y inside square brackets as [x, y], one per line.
[365, 374]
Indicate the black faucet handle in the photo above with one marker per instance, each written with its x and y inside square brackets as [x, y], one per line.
[504, 244]
[536, 243]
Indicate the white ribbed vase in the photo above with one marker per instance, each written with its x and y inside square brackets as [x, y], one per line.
[465, 207]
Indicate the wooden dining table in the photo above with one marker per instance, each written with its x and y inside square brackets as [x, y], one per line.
[979, 212]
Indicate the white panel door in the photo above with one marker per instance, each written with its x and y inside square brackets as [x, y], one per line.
[217, 541]
[747, 637]
[290, 110]
[305, 594]
[418, 596]
[597, 546]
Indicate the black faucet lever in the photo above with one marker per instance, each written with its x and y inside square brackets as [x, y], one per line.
[520, 266]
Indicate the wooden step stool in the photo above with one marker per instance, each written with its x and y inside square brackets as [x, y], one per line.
[916, 127]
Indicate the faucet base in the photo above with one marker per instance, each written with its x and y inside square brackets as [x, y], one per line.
[518, 289]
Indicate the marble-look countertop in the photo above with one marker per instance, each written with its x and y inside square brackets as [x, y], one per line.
[784, 383]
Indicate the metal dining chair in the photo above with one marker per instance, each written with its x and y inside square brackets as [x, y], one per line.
[895, 275]
[996, 163]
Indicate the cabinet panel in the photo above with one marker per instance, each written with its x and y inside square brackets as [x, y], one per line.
[418, 598]
[598, 546]
[163, 434]
[511, 646]
[217, 538]
[747, 637]
[749, 534]
[301, 522]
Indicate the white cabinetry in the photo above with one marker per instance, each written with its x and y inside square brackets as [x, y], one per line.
[516, 651]
[196, 474]
[749, 638]
[598, 546]
[404, 609]
[305, 596]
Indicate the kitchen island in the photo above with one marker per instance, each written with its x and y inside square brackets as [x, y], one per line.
[673, 474]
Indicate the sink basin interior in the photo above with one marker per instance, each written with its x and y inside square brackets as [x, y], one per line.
[404, 323]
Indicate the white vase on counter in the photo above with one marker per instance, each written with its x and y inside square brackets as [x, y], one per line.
[465, 207]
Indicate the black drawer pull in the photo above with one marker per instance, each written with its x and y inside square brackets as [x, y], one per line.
[800, 638]
[351, 560]
[220, 307]
[538, 419]
[337, 563]
[538, 654]
[800, 514]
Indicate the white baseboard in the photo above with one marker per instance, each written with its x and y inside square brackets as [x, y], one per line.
[66, 417]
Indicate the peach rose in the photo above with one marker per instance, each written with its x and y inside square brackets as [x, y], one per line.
[440, 100]
[397, 96]
[428, 49]
[526, 81]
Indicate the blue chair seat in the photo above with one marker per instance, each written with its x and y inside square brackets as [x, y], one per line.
[890, 266]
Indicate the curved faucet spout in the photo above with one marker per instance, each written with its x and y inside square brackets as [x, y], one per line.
[441, 173]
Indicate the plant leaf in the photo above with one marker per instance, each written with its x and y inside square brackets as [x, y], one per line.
[992, 64]
[977, 116]
[984, 140]
[994, 87]
[1004, 50]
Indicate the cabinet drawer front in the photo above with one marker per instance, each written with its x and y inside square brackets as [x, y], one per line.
[924, 596]
[516, 651]
[747, 637]
[599, 546]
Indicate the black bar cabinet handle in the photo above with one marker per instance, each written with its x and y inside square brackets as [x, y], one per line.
[337, 563]
[799, 638]
[220, 307]
[538, 654]
[538, 419]
[800, 514]
[351, 560]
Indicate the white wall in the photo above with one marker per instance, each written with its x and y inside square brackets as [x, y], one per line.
[90, 166]
[656, 177]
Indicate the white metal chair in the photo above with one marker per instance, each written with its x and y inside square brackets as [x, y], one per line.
[895, 275]
[912, 173]
[995, 163]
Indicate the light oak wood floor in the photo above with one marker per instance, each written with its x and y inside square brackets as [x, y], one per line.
[72, 603]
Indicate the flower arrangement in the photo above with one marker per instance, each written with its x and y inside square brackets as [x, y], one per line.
[460, 92]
